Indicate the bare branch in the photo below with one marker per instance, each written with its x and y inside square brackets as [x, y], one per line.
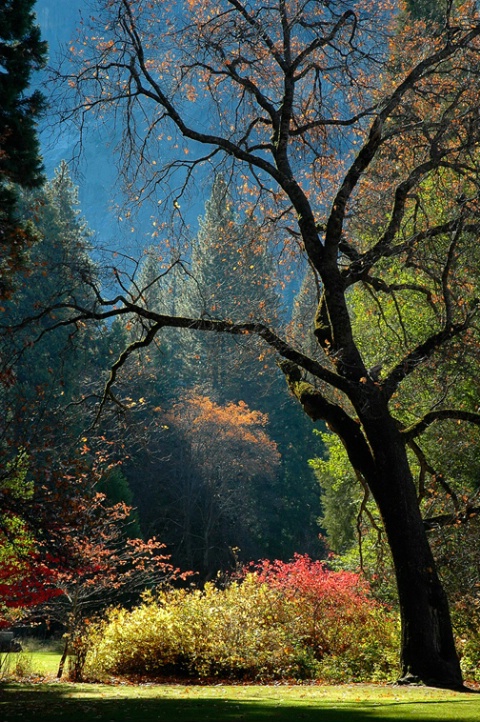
[454, 519]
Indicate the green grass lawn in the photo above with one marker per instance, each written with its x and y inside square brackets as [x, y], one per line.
[35, 663]
[62, 702]
[179, 703]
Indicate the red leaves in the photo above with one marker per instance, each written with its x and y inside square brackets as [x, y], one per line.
[93, 561]
[24, 585]
[316, 584]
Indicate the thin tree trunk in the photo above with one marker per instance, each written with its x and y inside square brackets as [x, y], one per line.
[63, 658]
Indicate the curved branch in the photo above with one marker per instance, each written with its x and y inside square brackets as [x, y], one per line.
[425, 467]
[318, 408]
[159, 321]
[255, 24]
[121, 361]
[326, 39]
[337, 122]
[443, 520]
[362, 264]
[336, 219]
[423, 352]
[415, 430]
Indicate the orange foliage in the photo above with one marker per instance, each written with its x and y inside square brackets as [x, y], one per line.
[229, 438]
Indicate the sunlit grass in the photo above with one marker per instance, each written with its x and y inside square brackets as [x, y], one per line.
[60, 702]
[34, 660]
[180, 703]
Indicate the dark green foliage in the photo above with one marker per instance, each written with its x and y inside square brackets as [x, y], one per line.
[46, 372]
[21, 53]
[114, 484]
[433, 10]
[59, 268]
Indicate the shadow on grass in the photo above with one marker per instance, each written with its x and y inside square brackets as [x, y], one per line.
[54, 704]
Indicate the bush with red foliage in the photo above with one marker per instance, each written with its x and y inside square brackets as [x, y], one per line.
[335, 617]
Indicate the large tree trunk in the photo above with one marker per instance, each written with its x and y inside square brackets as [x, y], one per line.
[428, 650]
[377, 450]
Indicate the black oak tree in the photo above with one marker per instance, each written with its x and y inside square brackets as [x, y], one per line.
[355, 132]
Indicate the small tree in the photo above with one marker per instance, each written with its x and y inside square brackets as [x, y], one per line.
[229, 457]
[102, 566]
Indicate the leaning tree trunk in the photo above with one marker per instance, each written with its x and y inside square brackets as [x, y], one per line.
[428, 650]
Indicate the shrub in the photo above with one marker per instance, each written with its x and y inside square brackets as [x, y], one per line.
[348, 632]
[237, 632]
[295, 621]
[466, 620]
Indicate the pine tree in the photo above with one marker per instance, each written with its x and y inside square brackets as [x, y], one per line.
[21, 52]
[233, 276]
[49, 370]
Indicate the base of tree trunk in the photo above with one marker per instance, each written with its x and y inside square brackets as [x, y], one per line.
[414, 680]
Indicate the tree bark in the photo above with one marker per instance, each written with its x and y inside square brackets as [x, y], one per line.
[428, 651]
[377, 450]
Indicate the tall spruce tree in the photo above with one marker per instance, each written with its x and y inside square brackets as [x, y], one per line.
[49, 370]
[21, 53]
[233, 275]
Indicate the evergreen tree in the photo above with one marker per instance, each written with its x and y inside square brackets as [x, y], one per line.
[48, 369]
[164, 287]
[233, 278]
[21, 52]
[430, 10]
